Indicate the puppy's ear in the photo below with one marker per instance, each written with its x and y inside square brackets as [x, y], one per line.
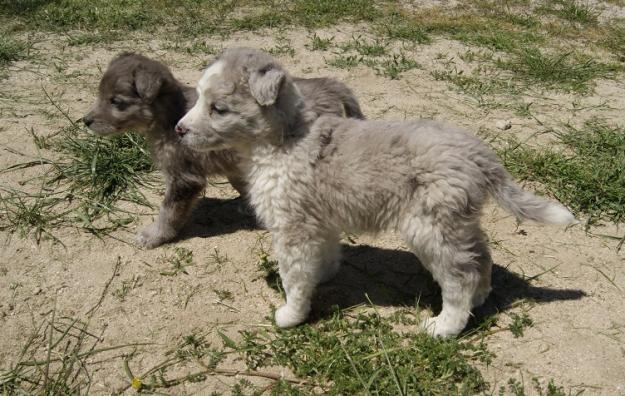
[265, 84]
[147, 84]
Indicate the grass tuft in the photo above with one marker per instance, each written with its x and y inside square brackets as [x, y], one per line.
[32, 214]
[320, 44]
[572, 11]
[519, 323]
[178, 262]
[11, 49]
[565, 71]
[394, 65]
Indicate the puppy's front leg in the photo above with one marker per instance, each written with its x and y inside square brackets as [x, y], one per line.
[301, 269]
[173, 214]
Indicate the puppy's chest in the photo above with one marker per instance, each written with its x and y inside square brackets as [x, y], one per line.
[271, 191]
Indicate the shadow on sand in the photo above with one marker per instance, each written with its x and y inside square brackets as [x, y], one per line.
[213, 216]
[396, 278]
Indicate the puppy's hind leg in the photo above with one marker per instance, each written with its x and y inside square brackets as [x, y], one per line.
[173, 214]
[454, 257]
[301, 269]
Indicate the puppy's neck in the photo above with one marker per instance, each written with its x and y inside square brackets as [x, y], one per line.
[167, 109]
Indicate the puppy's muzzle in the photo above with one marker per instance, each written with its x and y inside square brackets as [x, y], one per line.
[87, 120]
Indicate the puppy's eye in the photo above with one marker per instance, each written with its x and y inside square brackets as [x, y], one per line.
[115, 101]
[219, 109]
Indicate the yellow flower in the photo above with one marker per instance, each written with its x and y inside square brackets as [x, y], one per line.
[136, 383]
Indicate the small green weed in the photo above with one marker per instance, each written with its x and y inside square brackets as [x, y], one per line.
[282, 49]
[320, 44]
[269, 268]
[517, 388]
[394, 65]
[178, 262]
[126, 287]
[519, 323]
[364, 47]
[224, 295]
[345, 61]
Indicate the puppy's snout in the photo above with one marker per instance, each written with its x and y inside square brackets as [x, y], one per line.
[87, 120]
[181, 130]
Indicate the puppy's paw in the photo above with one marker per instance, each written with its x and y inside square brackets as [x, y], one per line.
[437, 327]
[152, 236]
[288, 317]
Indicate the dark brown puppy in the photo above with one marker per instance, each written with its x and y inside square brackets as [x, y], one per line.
[142, 94]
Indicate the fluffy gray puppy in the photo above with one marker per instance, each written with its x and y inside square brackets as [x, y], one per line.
[142, 94]
[312, 177]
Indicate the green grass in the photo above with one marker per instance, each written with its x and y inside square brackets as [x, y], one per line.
[345, 61]
[586, 173]
[517, 388]
[614, 38]
[566, 71]
[186, 17]
[519, 323]
[364, 47]
[177, 262]
[320, 44]
[83, 185]
[35, 215]
[310, 14]
[90, 38]
[571, 10]
[11, 49]
[485, 28]
[399, 27]
[361, 353]
[394, 65]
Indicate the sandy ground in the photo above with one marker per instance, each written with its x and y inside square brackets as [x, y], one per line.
[571, 282]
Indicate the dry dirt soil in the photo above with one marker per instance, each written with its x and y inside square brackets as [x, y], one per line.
[571, 282]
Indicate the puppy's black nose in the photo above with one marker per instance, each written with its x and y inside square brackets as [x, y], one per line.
[87, 120]
[181, 130]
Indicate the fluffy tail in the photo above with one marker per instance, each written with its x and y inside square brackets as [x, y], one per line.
[525, 205]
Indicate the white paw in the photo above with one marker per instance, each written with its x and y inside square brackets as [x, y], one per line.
[438, 327]
[288, 317]
[152, 236]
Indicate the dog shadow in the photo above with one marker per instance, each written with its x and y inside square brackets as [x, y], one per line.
[387, 277]
[214, 216]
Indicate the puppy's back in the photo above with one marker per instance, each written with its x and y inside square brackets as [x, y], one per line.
[329, 96]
